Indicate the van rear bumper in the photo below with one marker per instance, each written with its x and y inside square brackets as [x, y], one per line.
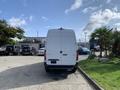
[63, 67]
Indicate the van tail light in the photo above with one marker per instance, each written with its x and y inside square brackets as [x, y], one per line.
[76, 55]
[45, 55]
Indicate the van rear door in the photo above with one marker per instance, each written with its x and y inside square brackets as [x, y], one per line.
[68, 43]
[53, 47]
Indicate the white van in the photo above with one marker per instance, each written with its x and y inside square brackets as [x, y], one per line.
[61, 50]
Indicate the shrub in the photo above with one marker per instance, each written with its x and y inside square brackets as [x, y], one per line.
[92, 56]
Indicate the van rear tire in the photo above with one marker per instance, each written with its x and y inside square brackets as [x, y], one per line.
[74, 70]
[47, 69]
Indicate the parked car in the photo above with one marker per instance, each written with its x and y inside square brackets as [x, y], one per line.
[61, 52]
[12, 50]
[2, 50]
[41, 51]
[26, 50]
[83, 51]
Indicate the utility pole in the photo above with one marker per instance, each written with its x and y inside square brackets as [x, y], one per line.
[85, 38]
[79, 41]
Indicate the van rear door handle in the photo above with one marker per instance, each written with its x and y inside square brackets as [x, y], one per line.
[61, 51]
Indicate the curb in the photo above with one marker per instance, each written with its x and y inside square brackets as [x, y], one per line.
[91, 81]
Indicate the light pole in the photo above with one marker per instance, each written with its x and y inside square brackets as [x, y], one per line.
[85, 38]
[79, 42]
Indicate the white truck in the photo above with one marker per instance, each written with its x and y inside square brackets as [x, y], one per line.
[61, 50]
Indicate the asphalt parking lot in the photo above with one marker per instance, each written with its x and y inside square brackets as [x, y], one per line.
[27, 73]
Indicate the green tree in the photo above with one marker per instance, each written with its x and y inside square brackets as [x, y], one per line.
[8, 33]
[116, 43]
[102, 36]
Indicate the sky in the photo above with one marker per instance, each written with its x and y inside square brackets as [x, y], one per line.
[36, 17]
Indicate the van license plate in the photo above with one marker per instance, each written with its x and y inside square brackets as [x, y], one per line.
[53, 62]
[53, 59]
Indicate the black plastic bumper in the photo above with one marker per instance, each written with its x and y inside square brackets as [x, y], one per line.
[60, 66]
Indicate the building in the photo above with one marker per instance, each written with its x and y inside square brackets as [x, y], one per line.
[83, 44]
[36, 42]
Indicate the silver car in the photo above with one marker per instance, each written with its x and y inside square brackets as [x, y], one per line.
[41, 51]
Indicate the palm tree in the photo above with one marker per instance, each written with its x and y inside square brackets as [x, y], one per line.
[116, 43]
[102, 35]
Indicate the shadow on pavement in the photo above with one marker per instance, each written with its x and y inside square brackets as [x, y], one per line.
[27, 75]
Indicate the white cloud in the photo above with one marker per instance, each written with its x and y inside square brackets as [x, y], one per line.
[80, 34]
[76, 5]
[22, 15]
[30, 18]
[44, 18]
[115, 8]
[101, 18]
[48, 26]
[16, 21]
[108, 1]
[85, 10]
[27, 18]
[117, 24]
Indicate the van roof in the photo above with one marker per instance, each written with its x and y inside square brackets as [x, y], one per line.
[67, 30]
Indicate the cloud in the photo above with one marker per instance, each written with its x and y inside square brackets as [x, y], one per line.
[117, 24]
[101, 18]
[76, 5]
[115, 8]
[27, 18]
[16, 21]
[108, 1]
[22, 15]
[44, 18]
[85, 10]
[48, 26]
[30, 18]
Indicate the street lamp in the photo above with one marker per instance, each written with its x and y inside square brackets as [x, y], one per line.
[85, 38]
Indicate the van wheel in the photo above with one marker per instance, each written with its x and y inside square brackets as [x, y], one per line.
[74, 70]
[46, 69]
